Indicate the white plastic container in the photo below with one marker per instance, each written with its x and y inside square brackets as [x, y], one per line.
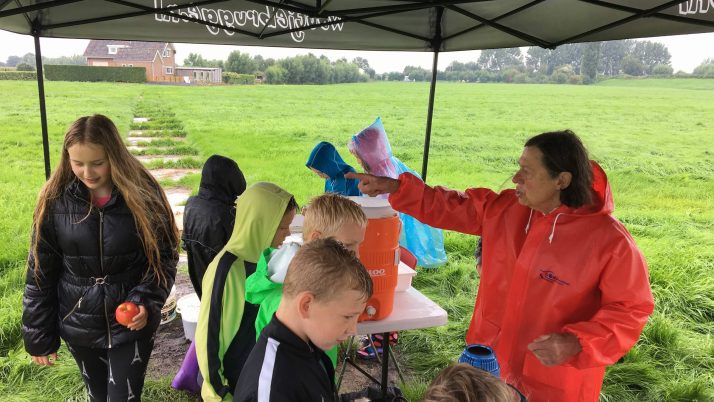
[189, 306]
[296, 224]
[404, 277]
[374, 207]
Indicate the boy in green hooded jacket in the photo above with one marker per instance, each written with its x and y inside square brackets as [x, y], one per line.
[225, 332]
[327, 215]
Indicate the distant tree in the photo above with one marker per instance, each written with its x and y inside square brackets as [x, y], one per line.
[275, 74]
[662, 70]
[706, 69]
[417, 73]
[651, 54]
[395, 76]
[75, 60]
[344, 71]
[263, 64]
[361, 63]
[500, 59]
[314, 70]
[456, 66]
[539, 60]
[294, 70]
[612, 54]
[29, 58]
[570, 54]
[241, 63]
[195, 60]
[25, 67]
[591, 58]
[13, 61]
[631, 65]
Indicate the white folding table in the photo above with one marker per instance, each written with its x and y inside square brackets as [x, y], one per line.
[412, 310]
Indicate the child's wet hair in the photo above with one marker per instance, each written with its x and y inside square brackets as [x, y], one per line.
[325, 268]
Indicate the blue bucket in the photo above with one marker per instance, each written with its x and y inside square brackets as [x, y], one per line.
[482, 357]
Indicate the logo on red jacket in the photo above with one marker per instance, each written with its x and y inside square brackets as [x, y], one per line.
[550, 277]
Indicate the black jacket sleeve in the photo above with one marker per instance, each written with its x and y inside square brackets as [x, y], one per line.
[40, 321]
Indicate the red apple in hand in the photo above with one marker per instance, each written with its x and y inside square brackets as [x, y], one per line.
[125, 312]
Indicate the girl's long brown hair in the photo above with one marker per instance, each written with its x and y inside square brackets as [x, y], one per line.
[143, 195]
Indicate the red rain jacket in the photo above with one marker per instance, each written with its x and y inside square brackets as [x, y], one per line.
[573, 270]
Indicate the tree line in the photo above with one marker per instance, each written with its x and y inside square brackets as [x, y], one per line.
[303, 69]
[578, 63]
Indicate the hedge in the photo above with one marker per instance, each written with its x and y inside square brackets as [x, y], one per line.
[94, 74]
[18, 75]
[240, 79]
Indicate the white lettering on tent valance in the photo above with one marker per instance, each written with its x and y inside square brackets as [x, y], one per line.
[696, 7]
[272, 18]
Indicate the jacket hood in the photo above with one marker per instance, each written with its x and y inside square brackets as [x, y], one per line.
[325, 158]
[258, 286]
[222, 179]
[603, 202]
[258, 214]
[371, 146]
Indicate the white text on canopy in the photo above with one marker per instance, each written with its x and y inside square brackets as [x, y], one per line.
[272, 18]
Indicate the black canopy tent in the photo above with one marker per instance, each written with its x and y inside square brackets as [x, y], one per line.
[389, 25]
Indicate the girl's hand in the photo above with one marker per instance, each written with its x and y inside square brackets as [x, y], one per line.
[139, 320]
[45, 360]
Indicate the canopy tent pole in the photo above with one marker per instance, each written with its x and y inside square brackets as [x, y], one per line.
[436, 45]
[41, 92]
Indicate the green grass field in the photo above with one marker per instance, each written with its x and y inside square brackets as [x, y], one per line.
[655, 138]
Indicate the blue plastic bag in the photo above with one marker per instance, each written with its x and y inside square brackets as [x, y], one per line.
[371, 148]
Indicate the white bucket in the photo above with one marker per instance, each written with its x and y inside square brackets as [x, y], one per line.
[189, 306]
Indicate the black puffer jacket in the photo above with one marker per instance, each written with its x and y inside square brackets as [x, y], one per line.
[88, 266]
[208, 217]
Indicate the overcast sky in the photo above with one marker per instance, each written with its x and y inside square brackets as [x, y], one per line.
[688, 51]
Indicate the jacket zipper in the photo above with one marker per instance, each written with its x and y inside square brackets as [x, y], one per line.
[101, 265]
[76, 306]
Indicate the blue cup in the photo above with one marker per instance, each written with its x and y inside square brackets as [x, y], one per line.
[482, 357]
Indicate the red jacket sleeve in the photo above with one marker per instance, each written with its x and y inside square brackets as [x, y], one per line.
[440, 207]
[626, 304]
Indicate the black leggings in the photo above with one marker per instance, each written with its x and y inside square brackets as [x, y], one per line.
[115, 374]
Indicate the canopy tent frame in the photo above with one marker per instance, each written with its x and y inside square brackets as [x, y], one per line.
[359, 15]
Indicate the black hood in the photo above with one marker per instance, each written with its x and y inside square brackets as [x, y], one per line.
[221, 179]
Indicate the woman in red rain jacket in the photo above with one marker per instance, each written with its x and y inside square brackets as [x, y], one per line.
[564, 290]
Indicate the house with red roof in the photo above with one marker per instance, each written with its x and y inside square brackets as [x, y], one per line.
[158, 58]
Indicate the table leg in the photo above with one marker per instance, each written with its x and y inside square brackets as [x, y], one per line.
[344, 364]
[385, 364]
[394, 360]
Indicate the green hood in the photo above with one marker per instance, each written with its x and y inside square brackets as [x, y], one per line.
[256, 220]
[259, 286]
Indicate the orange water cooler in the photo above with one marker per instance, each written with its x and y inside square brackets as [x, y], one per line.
[379, 253]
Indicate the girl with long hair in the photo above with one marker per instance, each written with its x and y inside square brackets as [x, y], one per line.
[102, 234]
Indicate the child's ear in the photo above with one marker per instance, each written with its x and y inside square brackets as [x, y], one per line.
[305, 301]
[314, 235]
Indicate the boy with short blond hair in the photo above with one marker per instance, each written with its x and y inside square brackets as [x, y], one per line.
[325, 290]
[333, 215]
[327, 215]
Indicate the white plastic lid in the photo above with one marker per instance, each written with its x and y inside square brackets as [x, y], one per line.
[374, 207]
